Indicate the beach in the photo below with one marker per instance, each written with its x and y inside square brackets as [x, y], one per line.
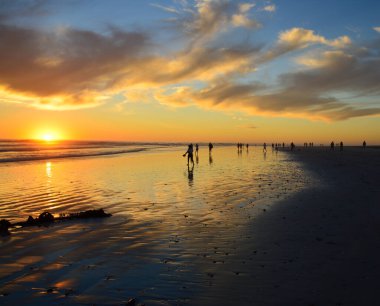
[288, 228]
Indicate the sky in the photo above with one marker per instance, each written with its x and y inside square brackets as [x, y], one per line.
[190, 70]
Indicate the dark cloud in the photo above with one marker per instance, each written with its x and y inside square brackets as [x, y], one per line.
[338, 72]
[66, 60]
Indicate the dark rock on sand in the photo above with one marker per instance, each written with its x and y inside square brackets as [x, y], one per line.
[45, 217]
[4, 226]
[131, 302]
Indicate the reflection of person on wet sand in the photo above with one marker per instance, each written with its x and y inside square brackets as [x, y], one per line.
[189, 153]
[210, 160]
[190, 173]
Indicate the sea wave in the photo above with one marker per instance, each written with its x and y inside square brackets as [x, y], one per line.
[59, 155]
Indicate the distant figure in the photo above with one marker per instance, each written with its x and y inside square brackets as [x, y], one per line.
[210, 146]
[247, 146]
[332, 145]
[265, 147]
[341, 146]
[364, 144]
[292, 146]
[283, 145]
[189, 153]
[196, 150]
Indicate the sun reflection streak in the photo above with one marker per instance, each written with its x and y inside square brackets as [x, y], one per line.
[49, 172]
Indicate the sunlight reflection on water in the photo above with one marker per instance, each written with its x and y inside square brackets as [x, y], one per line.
[170, 222]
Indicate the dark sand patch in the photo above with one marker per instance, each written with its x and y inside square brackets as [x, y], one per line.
[319, 247]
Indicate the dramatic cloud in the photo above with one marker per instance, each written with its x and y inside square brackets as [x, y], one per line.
[65, 63]
[306, 93]
[67, 68]
[377, 29]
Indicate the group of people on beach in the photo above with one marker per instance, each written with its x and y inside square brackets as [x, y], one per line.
[275, 147]
[240, 146]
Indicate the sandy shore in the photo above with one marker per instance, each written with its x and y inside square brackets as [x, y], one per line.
[317, 246]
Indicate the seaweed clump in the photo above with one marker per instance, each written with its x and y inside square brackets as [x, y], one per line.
[46, 218]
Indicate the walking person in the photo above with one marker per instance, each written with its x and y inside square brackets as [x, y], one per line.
[189, 153]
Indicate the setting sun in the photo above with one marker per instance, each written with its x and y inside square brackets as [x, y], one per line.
[48, 136]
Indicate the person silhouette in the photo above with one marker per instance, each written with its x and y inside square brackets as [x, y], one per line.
[341, 145]
[210, 146]
[196, 149]
[364, 144]
[265, 147]
[189, 153]
[332, 145]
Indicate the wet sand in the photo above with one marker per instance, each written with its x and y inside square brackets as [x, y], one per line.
[319, 247]
[299, 235]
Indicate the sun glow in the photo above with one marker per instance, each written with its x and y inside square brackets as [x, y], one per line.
[48, 136]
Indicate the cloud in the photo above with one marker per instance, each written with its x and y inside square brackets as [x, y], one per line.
[302, 38]
[209, 18]
[66, 62]
[377, 29]
[168, 9]
[337, 71]
[270, 8]
[66, 68]
[309, 93]
[297, 39]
